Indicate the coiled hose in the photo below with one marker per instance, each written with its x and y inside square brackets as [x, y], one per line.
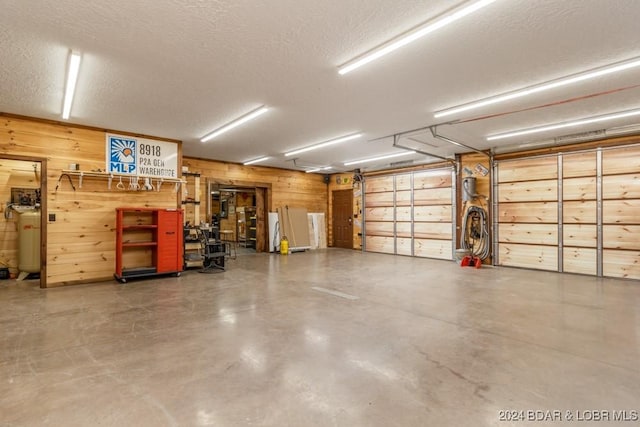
[475, 232]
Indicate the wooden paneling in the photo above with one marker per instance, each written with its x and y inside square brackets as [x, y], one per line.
[621, 186]
[534, 212]
[535, 234]
[380, 244]
[621, 237]
[579, 164]
[579, 212]
[440, 213]
[528, 169]
[621, 211]
[379, 199]
[621, 161]
[440, 249]
[617, 263]
[403, 229]
[432, 230]
[579, 188]
[88, 211]
[439, 178]
[403, 213]
[580, 235]
[529, 256]
[529, 191]
[379, 214]
[403, 246]
[579, 260]
[378, 184]
[403, 198]
[432, 196]
[379, 228]
[403, 182]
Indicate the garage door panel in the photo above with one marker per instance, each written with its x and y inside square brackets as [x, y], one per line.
[432, 196]
[385, 245]
[403, 182]
[528, 169]
[378, 184]
[403, 198]
[404, 246]
[529, 256]
[432, 213]
[379, 199]
[621, 211]
[579, 260]
[579, 188]
[621, 237]
[535, 234]
[379, 228]
[432, 230]
[579, 212]
[533, 212]
[403, 229]
[618, 263]
[621, 186]
[621, 160]
[432, 179]
[440, 249]
[379, 214]
[579, 164]
[580, 235]
[529, 191]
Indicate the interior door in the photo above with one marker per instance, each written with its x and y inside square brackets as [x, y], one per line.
[342, 203]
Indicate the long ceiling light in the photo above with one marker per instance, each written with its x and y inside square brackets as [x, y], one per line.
[324, 144]
[412, 36]
[553, 84]
[375, 159]
[563, 125]
[258, 160]
[326, 168]
[72, 79]
[235, 123]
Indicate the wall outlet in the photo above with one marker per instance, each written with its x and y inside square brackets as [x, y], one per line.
[52, 217]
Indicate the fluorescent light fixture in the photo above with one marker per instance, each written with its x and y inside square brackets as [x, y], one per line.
[563, 125]
[324, 144]
[319, 169]
[258, 160]
[72, 79]
[412, 36]
[235, 123]
[374, 159]
[564, 81]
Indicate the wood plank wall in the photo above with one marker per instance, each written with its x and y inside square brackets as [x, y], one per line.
[536, 230]
[81, 241]
[13, 174]
[410, 213]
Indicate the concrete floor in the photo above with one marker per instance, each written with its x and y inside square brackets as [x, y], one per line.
[408, 342]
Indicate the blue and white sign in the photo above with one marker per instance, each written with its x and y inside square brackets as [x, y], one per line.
[141, 157]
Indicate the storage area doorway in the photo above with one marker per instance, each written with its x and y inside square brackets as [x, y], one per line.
[342, 202]
[238, 210]
[23, 204]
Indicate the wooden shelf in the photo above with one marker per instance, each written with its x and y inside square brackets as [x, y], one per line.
[138, 244]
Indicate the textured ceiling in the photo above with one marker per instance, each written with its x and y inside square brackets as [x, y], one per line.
[182, 68]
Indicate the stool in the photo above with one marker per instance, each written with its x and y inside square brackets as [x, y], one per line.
[227, 237]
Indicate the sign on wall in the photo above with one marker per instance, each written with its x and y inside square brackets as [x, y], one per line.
[141, 157]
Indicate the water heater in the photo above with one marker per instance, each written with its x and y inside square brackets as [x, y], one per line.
[29, 242]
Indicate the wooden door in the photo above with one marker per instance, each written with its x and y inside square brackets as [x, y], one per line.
[342, 203]
[261, 228]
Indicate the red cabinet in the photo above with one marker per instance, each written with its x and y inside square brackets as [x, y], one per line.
[148, 242]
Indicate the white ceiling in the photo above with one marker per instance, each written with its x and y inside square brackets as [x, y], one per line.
[182, 68]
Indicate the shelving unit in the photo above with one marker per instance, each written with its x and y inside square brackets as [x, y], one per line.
[251, 230]
[191, 197]
[148, 242]
[193, 251]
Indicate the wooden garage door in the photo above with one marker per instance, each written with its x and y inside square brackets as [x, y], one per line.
[410, 214]
[575, 213]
